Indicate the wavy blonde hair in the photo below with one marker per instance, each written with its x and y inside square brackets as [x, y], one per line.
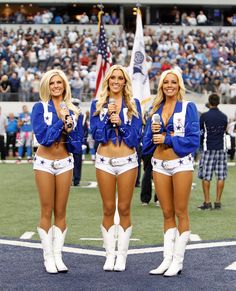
[44, 92]
[127, 92]
[160, 95]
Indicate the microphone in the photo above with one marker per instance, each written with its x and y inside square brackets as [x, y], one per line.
[64, 106]
[156, 118]
[112, 101]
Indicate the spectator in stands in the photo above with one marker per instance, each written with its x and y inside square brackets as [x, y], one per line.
[3, 125]
[26, 135]
[106, 18]
[4, 88]
[172, 141]
[192, 19]
[232, 19]
[184, 19]
[114, 18]
[116, 124]
[35, 87]
[58, 129]
[11, 131]
[58, 19]
[26, 86]
[213, 125]
[201, 18]
[77, 85]
[224, 90]
[84, 19]
[38, 18]
[14, 82]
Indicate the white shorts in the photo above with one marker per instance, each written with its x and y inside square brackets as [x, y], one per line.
[116, 166]
[54, 167]
[171, 167]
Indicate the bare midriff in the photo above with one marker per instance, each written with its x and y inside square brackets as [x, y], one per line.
[163, 152]
[115, 150]
[56, 151]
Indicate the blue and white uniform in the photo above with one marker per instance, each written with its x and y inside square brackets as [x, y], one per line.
[185, 141]
[130, 132]
[48, 128]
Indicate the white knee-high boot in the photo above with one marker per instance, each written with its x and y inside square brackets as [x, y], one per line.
[46, 240]
[58, 242]
[123, 245]
[178, 257]
[169, 241]
[109, 243]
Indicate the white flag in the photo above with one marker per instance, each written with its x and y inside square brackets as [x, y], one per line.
[138, 68]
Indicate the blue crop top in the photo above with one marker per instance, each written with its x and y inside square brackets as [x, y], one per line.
[129, 131]
[184, 124]
[48, 127]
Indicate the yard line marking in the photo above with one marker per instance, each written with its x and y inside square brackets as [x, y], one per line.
[231, 267]
[195, 237]
[27, 235]
[131, 251]
[85, 184]
[91, 185]
[101, 239]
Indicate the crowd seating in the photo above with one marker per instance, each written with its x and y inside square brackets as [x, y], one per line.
[205, 55]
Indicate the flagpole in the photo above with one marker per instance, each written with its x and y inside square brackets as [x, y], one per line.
[100, 6]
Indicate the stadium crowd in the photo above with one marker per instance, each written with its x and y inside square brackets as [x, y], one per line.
[207, 59]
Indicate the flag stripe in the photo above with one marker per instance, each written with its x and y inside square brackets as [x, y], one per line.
[103, 58]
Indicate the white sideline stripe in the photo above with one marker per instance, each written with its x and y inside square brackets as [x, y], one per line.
[27, 235]
[100, 239]
[195, 237]
[65, 249]
[131, 251]
[231, 267]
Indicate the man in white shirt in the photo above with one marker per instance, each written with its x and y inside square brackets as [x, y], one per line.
[201, 18]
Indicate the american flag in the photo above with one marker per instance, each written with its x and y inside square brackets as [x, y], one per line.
[103, 59]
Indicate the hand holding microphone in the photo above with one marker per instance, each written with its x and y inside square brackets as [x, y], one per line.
[156, 126]
[112, 109]
[65, 115]
[156, 123]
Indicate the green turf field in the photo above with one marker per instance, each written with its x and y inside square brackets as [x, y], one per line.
[19, 210]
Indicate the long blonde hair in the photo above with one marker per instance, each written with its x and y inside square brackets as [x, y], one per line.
[127, 92]
[44, 92]
[160, 95]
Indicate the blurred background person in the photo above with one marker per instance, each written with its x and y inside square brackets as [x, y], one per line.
[3, 125]
[25, 134]
[11, 131]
